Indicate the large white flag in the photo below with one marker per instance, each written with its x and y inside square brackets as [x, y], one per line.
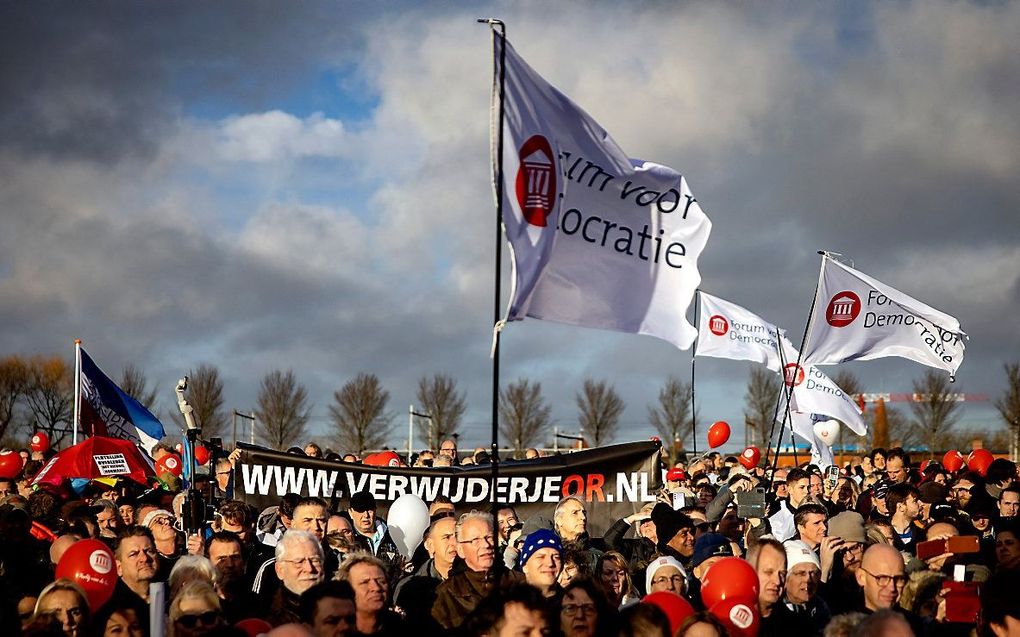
[726, 330]
[859, 318]
[597, 239]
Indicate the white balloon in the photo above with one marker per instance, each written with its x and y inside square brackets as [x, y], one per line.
[408, 519]
[827, 430]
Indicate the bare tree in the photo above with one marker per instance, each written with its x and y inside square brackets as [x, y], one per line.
[359, 413]
[13, 385]
[935, 410]
[901, 432]
[672, 417]
[50, 396]
[524, 414]
[600, 408]
[763, 389]
[205, 395]
[1009, 407]
[134, 384]
[283, 409]
[438, 396]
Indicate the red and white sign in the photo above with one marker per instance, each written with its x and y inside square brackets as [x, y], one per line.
[718, 325]
[536, 180]
[793, 375]
[843, 309]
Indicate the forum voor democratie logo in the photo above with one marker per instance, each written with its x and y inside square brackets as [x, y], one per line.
[536, 180]
[843, 309]
[793, 375]
[718, 325]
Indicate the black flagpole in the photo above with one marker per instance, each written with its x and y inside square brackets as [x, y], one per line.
[797, 367]
[499, 30]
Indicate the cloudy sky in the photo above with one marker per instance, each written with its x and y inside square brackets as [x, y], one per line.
[264, 185]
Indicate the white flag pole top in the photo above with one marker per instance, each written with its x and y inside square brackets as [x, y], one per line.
[727, 330]
[77, 391]
[596, 239]
[860, 318]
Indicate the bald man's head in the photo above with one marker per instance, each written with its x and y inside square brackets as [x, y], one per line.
[881, 576]
[290, 630]
[60, 546]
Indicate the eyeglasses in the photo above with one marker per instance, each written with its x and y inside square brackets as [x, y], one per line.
[313, 562]
[885, 580]
[575, 609]
[479, 541]
[675, 579]
[208, 618]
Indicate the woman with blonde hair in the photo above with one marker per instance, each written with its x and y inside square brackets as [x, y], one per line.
[613, 574]
[65, 602]
[191, 568]
[195, 610]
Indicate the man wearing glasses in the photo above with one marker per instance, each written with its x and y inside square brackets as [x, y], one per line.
[299, 565]
[476, 545]
[882, 577]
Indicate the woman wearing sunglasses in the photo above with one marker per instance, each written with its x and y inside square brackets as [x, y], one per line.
[195, 611]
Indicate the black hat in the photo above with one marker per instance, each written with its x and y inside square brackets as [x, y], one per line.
[669, 522]
[362, 501]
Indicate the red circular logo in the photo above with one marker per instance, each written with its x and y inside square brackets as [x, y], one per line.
[718, 325]
[170, 462]
[535, 185]
[793, 375]
[843, 308]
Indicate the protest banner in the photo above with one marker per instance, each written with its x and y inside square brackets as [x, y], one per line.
[613, 481]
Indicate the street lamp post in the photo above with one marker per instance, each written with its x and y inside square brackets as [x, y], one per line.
[411, 413]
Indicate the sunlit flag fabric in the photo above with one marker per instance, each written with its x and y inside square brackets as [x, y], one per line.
[859, 318]
[597, 239]
[107, 411]
[726, 330]
[815, 393]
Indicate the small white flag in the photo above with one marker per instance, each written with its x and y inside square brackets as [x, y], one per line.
[597, 239]
[726, 330]
[859, 318]
[815, 393]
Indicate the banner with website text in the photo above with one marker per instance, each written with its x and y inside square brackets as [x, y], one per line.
[613, 481]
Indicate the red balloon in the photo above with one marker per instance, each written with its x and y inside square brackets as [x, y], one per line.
[10, 463]
[953, 460]
[40, 442]
[254, 627]
[677, 608]
[90, 564]
[739, 616]
[979, 460]
[718, 434]
[731, 578]
[201, 455]
[382, 459]
[169, 464]
[750, 457]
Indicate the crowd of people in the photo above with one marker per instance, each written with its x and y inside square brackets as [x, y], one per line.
[883, 547]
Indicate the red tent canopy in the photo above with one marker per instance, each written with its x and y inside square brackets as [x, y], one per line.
[97, 457]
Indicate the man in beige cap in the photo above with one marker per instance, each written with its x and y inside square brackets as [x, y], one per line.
[841, 552]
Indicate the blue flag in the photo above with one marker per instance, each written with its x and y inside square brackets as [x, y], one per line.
[107, 411]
